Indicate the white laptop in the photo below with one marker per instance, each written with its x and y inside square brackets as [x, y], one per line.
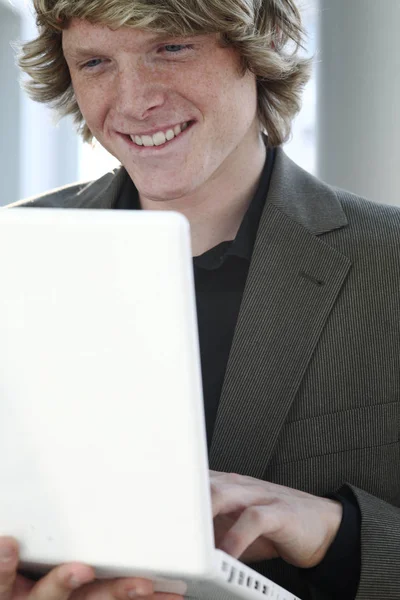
[102, 435]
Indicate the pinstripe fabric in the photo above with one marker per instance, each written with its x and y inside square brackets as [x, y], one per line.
[311, 392]
[258, 368]
[102, 193]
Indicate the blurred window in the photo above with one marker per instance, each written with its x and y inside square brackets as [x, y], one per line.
[302, 146]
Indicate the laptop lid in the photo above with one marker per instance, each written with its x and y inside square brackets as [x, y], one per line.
[102, 433]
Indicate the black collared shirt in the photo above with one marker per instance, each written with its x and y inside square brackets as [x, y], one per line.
[220, 276]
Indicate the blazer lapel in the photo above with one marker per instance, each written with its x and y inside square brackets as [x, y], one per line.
[293, 282]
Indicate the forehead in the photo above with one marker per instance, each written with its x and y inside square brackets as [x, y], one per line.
[81, 35]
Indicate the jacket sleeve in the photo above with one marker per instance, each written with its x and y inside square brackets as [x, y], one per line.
[338, 575]
[380, 547]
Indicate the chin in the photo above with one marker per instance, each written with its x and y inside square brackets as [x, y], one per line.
[167, 196]
[165, 193]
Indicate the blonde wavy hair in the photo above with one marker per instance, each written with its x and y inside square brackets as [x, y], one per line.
[268, 35]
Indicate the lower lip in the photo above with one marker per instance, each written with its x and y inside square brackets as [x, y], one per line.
[153, 150]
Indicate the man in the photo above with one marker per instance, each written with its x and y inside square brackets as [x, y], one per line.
[297, 283]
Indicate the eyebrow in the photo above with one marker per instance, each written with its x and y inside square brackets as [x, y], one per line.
[88, 51]
[82, 52]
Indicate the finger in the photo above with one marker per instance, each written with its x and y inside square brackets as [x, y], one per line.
[59, 583]
[116, 589]
[252, 523]
[162, 596]
[233, 478]
[124, 589]
[8, 566]
[216, 473]
[227, 499]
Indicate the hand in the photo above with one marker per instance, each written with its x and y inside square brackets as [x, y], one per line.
[72, 581]
[256, 520]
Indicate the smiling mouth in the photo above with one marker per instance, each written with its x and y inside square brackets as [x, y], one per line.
[160, 139]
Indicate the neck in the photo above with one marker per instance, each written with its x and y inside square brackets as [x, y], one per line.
[216, 210]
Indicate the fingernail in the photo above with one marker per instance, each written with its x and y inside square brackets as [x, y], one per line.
[6, 554]
[137, 592]
[74, 582]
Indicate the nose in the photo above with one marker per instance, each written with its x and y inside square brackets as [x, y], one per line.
[138, 92]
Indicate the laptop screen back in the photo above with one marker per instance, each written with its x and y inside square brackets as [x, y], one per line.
[102, 432]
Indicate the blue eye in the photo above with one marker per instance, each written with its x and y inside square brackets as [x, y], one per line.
[175, 48]
[95, 62]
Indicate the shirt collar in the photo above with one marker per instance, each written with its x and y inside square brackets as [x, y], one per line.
[243, 244]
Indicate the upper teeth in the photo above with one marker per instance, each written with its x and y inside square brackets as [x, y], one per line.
[159, 138]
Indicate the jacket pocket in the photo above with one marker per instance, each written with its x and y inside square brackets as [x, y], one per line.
[362, 427]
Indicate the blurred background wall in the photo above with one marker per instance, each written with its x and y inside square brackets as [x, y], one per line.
[34, 154]
[346, 132]
[10, 125]
[358, 122]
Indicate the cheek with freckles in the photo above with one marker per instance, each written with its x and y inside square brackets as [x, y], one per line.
[94, 105]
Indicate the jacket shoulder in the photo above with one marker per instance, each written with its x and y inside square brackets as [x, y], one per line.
[372, 220]
[75, 195]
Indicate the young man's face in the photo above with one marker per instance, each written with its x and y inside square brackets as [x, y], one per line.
[130, 83]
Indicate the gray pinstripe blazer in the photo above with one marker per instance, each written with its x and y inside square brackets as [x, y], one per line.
[311, 392]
